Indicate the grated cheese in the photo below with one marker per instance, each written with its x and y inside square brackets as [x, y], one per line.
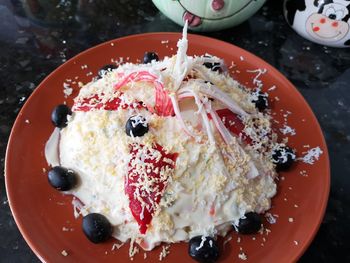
[116, 246]
[67, 89]
[272, 88]
[165, 251]
[256, 80]
[287, 130]
[242, 256]
[203, 239]
[270, 218]
[311, 156]
[133, 250]
[227, 240]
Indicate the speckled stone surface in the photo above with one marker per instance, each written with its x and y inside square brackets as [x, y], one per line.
[33, 46]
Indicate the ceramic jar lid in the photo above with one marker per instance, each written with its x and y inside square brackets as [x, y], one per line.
[326, 22]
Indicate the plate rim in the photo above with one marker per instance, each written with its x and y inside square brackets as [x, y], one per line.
[14, 210]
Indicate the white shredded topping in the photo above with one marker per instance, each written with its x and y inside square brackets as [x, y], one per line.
[284, 154]
[165, 251]
[270, 218]
[311, 155]
[117, 246]
[203, 239]
[138, 119]
[242, 256]
[227, 240]
[287, 130]
[257, 81]
[67, 89]
[133, 250]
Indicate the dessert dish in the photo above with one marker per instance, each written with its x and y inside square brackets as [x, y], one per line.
[166, 151]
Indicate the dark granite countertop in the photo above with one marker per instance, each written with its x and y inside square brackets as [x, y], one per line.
[31, 48]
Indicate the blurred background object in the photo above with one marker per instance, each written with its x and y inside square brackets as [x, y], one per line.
[209, 15]
[51, 12]
[326, 22]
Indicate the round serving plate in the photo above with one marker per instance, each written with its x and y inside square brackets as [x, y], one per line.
[45, 216]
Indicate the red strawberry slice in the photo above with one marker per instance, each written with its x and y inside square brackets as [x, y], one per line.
[95, 102]
[234, 124]
[147, 178]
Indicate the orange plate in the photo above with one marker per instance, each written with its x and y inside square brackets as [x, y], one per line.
[42, 214]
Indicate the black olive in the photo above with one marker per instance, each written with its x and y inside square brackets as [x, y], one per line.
[216, 66]
[62, 179]
[97, 228]
[283, 157]
[332, 16]
[59, 115]
[136, 126]
[249, 224]
[105, 69]
[203, 249]
[149, 56]
[260, 100]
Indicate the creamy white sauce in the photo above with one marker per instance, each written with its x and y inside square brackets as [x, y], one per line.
[51, 148]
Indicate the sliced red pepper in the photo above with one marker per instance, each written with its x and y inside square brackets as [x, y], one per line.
[144, 200]
[95, 102]
[234, 124]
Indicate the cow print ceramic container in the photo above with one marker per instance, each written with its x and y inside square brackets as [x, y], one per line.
[325, 22]
[209, 15]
